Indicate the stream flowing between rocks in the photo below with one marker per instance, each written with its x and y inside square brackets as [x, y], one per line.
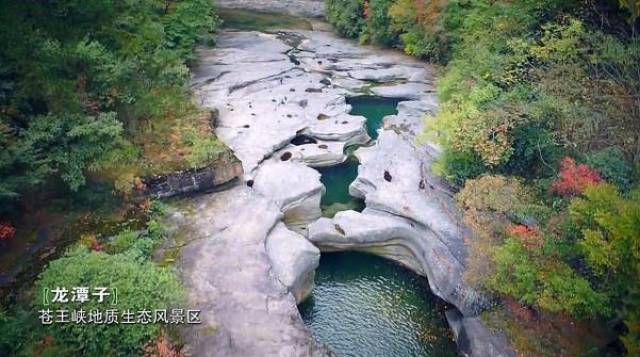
[325, 170]
[363, 305]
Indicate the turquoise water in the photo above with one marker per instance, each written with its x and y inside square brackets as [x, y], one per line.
[336, 180]
[374, 109]
[363, 305]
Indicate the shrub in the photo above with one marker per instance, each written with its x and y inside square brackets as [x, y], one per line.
[7, 231]
[80, 77]
[346, 16]
[457, 167]
[140, 285]
[419, 24]
[612, 166]
[534, 279]
[574, 179]
[610, 227]
[378, 28]
[487, 202]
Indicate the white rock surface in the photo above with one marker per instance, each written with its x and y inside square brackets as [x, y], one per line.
[294, 260]
[320, 154]
[409, 91]
[245, 309]
[313, 8]
[295, 188]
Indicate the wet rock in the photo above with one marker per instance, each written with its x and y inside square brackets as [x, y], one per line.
[403, 241]
[475, 339]
[205, 179]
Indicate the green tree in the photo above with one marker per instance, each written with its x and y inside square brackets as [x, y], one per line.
[78, 77]
[610, 242]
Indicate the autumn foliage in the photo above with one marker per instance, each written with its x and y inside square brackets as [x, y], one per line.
[574, 179]
[7, 231]
[530, 237]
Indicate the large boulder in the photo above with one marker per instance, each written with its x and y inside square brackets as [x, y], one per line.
[295, 188]
[229, 278]
[294, 260]
[403, 241]
[475, 339]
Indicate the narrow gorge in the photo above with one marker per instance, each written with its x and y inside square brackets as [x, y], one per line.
[282, 102]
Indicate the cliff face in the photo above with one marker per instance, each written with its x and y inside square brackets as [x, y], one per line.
[310, 8]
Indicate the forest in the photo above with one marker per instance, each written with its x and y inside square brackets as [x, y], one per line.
[539, 123]
[93, 97]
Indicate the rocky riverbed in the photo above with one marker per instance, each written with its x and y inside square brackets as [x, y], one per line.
[282, 106]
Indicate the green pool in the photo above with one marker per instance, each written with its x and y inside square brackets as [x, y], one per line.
[336, 180]
[363, 305]
[374, 109]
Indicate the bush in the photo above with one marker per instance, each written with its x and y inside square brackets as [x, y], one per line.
[140, 284]
[612, 166]
[378, 28]
[456, 167]
[525, 273]
[574, 179]
[610, 227]
[419, 25]
[346, 16]
[80, 77]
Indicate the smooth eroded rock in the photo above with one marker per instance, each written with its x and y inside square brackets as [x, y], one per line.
[294, 260]
[295, 188]
[245, 308]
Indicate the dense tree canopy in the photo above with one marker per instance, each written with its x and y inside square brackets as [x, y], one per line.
[77, 77]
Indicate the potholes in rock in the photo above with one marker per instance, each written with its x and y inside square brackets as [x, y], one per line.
[373, 108]
[313, 90]
[250, 183]
[336, 180]
[286, 156]
[292, 58]
[323, 146]
[365, 303]
[322, 116]
[387, 176]
[303, 140]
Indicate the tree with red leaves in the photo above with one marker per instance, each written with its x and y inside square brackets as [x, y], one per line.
[530, 237]
[574, 179]
[7, 231]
